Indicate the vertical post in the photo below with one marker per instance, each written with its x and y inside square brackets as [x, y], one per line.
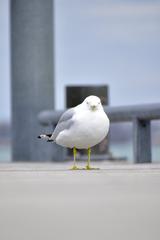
[32, 75]
[142, 141]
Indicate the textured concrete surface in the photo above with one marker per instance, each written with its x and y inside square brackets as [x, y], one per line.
[46, 201]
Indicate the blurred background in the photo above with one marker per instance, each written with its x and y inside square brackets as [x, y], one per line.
[98, 42]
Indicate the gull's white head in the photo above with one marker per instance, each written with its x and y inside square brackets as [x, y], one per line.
[93, 103]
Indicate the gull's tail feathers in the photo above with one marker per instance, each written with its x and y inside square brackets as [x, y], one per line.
[46, 137]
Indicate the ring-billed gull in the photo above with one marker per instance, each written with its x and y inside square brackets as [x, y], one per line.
[81, 127]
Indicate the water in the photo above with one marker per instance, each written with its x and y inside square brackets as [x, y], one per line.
[126, 150]
[118, 150]
[5, 153]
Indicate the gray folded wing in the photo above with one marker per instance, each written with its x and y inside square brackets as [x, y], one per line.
[65, 122]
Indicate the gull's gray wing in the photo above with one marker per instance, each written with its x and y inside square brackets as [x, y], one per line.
[64, 122]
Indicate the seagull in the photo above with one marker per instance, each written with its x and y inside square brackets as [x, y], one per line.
[81, 127]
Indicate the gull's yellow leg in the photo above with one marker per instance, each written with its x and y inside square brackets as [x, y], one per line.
[89, 159]
[74, 159]
[88, 167]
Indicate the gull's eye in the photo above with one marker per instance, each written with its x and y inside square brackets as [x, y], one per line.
[99, 103]
[87, 102]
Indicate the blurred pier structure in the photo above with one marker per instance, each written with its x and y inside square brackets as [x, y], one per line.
[32, 89]
[140, 116]
[31, 74]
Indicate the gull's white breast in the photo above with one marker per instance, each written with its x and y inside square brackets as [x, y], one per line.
[89, 128]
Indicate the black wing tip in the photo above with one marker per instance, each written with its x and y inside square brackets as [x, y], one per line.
[50, 140]
[46, 135]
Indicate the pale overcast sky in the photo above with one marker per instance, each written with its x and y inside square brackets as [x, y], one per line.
[98, 42]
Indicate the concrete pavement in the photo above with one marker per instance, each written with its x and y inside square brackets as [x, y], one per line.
[46, 201]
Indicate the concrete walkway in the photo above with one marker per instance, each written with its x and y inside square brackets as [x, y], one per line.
[46, 201]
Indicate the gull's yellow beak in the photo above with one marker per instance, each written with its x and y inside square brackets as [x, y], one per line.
[93, 107]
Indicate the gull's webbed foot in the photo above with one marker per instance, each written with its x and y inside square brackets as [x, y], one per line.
[76, 168]
[91, 168]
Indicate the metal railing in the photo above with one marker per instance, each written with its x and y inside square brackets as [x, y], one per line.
[140, 116]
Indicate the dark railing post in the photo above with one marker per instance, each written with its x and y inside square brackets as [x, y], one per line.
[142, 141]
